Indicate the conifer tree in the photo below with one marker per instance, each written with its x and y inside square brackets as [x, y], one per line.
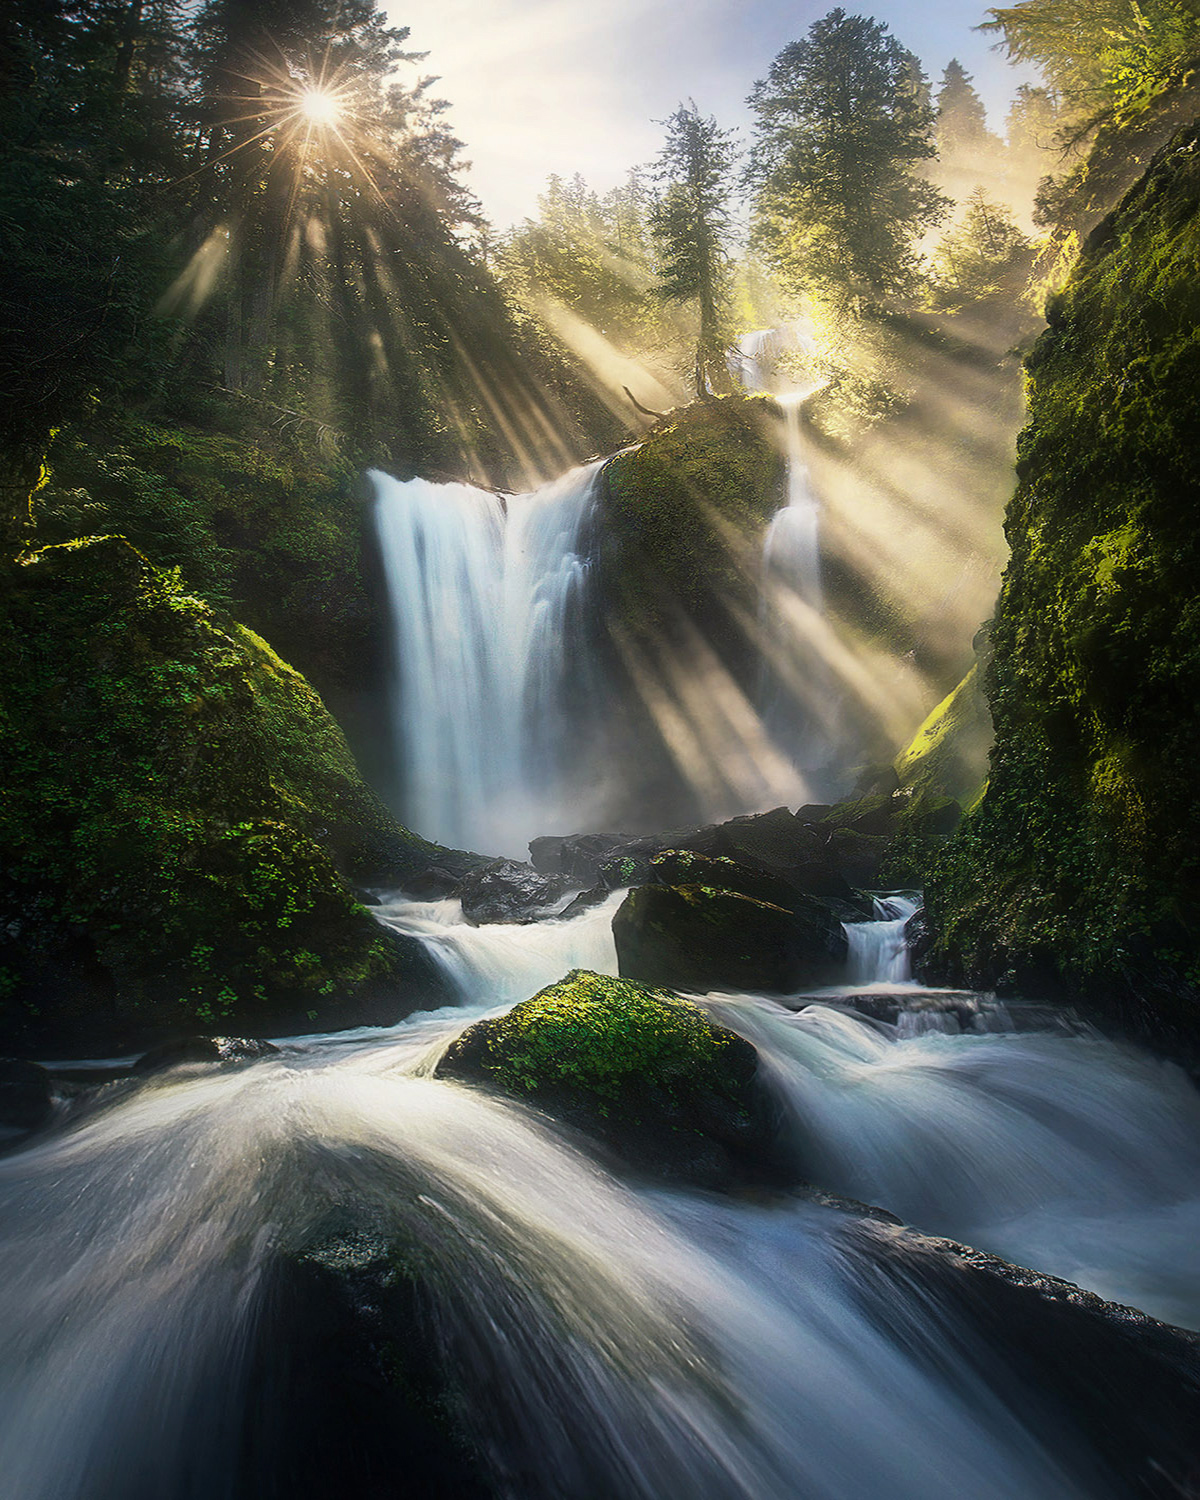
[844, 126]
[690, 225]
[961, 119]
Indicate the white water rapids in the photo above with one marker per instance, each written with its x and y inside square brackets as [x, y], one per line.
[641, 1343]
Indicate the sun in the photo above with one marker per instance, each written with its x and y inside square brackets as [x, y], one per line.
[320, 107]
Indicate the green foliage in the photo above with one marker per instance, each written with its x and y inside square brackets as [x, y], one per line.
[606, 1037]
[844, 124]
[265, 527]
[1086, 842]
[1101, 55]
[690, 225]
[985, 255]
[177, 804]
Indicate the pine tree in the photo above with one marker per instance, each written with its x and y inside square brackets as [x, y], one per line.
[961, 119]
[690, 225]
[986, 255]
[844, 125]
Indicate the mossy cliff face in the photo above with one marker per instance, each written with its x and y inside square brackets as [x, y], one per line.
[265, 526]
[1081, 866]
[179, 818]
[684, 513]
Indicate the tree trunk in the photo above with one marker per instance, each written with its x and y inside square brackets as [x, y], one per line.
[21, 475]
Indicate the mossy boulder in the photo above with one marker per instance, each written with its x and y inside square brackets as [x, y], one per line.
[272, 529]
[180, 822]
[704, 938]
[1080, 869]
[642, 1070]
[684, 512]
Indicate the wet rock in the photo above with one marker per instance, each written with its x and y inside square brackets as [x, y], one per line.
[26, 1094]
[431, 884]
[682, 867]
[505, 891]
[585, 901]
[637, 1068]
[702, 938]
[348, 1391]
[577, 856]
[226, 1050]
[1111, 1393]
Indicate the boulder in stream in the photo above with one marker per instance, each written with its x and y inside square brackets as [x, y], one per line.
[505, 891]
[643, 1071]
[226, 1050]
[704, 938]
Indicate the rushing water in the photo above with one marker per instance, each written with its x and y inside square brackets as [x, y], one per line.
[878, 950]
[486, 597]
[631, 1343]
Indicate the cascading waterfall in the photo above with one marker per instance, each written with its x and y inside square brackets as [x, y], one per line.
[606, 1339]
[798, 715]
[486, 596]
[791, 552]
[878, 950]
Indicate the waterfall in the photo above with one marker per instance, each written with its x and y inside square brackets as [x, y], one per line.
[796, 694]
[486, 596]
[878, 950]
[791, 554]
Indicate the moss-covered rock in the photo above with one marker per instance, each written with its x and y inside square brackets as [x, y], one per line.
[179, 819]
[271, 529]
[641, 1069]
[704, 938]
[1081, 865]
[684, 511]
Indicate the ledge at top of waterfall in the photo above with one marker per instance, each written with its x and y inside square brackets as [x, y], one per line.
[488, 601]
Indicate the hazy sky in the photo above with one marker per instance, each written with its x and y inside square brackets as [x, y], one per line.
[541, 86]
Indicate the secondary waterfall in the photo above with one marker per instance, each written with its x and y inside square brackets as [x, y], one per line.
[879, 949]
[486, 596]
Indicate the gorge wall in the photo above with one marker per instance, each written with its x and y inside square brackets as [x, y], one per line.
[1080, 871]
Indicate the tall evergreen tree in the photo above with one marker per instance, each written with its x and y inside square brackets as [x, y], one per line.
[690, 224]
[843, 127]
[961, 118]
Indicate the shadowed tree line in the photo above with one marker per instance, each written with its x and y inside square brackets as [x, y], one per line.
[251, 207]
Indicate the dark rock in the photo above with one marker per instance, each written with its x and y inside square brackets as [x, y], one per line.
[682, 867]
[639, 1069]
[431, 884]
[1114, 1395]
[858, 857]
[226, 1050]
[774, 840]
[578, 856]
[703, 939]
[348, 1391]
[26, 1094]
[585, 901]
[505, 891]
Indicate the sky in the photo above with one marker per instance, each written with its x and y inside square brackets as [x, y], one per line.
[542, 86]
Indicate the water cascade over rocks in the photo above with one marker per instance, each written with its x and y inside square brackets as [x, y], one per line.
[200, 1271]
[878, 950]
[487, 597]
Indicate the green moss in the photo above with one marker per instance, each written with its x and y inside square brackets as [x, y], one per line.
[1085, 851]
[263, 528]
[605, 1037]
[685, 510]
[178, 811]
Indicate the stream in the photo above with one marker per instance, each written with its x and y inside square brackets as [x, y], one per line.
[617, 1338]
